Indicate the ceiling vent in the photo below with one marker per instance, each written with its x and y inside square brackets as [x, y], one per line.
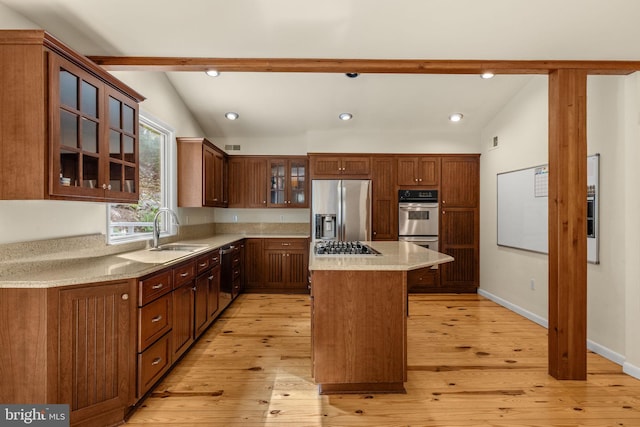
[232, 147]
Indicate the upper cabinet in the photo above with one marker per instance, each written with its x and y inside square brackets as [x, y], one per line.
[422, 171]
[347, 166]
[288, 182]
[201, 174]
[69, 129]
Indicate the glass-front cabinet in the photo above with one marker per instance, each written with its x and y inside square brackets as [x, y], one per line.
[94, 136]
[288, 182]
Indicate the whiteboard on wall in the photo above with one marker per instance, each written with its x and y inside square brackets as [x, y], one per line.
[523, 213]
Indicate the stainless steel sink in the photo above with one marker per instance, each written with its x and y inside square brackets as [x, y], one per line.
[180, 247]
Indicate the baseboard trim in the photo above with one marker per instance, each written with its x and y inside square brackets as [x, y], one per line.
[605, 352]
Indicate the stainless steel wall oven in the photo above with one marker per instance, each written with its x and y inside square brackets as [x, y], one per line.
[418, 213]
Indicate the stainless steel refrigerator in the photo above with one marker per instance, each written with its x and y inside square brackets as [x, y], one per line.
[341, 209]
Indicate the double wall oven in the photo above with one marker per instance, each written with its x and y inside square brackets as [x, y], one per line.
[418, 217]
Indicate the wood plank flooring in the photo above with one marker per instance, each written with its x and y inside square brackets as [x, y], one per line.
[471, 362]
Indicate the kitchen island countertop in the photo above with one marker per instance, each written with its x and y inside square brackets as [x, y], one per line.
[393, 256]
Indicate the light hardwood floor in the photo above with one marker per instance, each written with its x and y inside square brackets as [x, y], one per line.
[471, 362]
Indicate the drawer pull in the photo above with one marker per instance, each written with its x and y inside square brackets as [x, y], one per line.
[210, 278]
[158, 286]
[215, 259]
[204, 264]
[124, 297]
[157, 318]
[156, 361]
[184, 274]
[286, 244]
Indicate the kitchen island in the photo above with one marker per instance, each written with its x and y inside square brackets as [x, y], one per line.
[359, 317]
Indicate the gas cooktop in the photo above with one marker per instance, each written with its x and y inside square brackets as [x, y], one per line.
[331, 247]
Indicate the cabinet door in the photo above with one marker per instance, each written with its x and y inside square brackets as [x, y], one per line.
[256, 183]
[254, 264]
[460, 239]
[460, 182]
[275, 266]
[236, 178]
[201, 311]
[209, 178]
[356, 165]
[429, 171]
[298, 183]
[96, 350]
[407, 171]
[278, 189]
[182, 333]
[77, 122]
[213, 303]
[384, 205]
[326, 165]
[297, 267]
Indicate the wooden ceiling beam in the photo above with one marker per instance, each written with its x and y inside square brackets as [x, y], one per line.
[382, 66]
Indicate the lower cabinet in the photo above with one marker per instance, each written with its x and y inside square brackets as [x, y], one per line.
[424, 280]
[277, 265]
[183, 324]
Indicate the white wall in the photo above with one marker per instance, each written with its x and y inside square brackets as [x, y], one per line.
[506, 274]
[22, 221]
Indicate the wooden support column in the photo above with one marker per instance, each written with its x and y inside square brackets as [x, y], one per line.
[567, 224]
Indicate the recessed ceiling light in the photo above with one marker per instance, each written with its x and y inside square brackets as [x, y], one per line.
[231, 115]
[345, 116]
[351, 75]
[212, 73]
[456, 117]
[487, 75]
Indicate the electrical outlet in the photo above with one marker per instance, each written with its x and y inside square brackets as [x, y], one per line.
[533, 284]
[235, 218]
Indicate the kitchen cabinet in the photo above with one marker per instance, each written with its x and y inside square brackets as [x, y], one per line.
[207, 291]
[332, 166]
[69, 128]
[424, 280]
[384, 207]
[276, 265]
[182, 334]
[288, 184]
[201, 173]
[421, 171]
[459, 222]
[286, 264]
[248, 183]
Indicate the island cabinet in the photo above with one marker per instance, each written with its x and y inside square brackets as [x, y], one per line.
[73, 345]
[459, 222]
[384, 209]
[418, 171]
[69, 129]
[359, 325]
[345, 166]
[201, 173]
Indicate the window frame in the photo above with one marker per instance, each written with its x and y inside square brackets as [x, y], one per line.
[168, 187]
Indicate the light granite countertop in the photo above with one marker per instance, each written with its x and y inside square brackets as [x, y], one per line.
[49, 273]
[393, 256]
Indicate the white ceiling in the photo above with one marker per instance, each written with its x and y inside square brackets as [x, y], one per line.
[279, 104]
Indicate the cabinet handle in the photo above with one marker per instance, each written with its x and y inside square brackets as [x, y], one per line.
[443, 212]
[415, 179]
[286, 244]
[194, 289]
[157, 318]
[124, 297]
[109, 187]
[420, 180]
[158, 286]
[215, 259]
[375, 232]
[215, 200]
[210, 278]
[104, 186]
[204, 264]
[184, 274]
[156, 360]
[264, 201]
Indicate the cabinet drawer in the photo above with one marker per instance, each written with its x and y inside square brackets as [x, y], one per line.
[154, 287]
[154, 320]
[285, 244]
[153, 363]
[422, 277]
[207, 261]
[183, 273]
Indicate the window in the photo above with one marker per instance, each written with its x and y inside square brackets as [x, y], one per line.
[128, 222]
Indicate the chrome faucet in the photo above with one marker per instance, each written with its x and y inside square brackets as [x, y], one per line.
[156, 230]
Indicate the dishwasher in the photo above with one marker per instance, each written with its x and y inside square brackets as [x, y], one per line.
[229, 259]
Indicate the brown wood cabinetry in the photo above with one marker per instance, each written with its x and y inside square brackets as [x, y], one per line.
[384, 199]
[288, 183]
[359, 330]
[201, 173]
[331, 166]
[183, 308]
[424, 280]
[69, 128]
[422, 171]
[277, 265]
[459, 222]
[73, 345]
[207, 291]
[248, 182]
